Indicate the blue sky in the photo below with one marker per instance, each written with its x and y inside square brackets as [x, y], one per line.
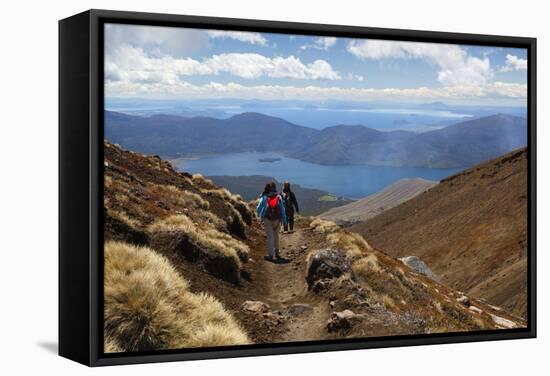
[178, 63]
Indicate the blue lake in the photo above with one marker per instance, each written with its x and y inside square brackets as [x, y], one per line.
[347, 181]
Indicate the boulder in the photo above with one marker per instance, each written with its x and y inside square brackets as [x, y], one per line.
[327, 264]
[321, 285]
[416, 264]
[342, 321]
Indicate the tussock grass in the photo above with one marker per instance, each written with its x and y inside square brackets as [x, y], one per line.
[236, 223]
[367, 264]
[213, 220]
[388, 302]
[353, 244]
[323, 226]
[234, 202]
[123, 217]
[148, 306]
[178, 197]
[110, 345]
[204, 239]
[229, 242]
[200, 179]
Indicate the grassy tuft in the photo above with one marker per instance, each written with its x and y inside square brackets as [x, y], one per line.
[206, 239]
[353, 244]
[148, 306]
[323, 226]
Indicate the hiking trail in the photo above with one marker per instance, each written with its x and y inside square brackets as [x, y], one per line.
[286, 289]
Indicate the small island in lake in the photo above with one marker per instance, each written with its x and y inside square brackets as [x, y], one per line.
[269, 160]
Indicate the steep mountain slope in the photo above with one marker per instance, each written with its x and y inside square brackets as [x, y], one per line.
[310, 201]
[184, 267]
[373, 205]
[459, 145]
[471, 229]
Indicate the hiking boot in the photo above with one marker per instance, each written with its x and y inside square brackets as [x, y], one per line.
[277, 253]
[268, 258]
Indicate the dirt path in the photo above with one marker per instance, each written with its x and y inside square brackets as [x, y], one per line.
[286, 291]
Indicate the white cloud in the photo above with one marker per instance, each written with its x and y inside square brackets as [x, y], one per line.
[325, 43]
[175, 41]
[132, 64]
[498, 91]
[358, 77]
[243, 36]
[456, 66]
[321, 43]
[514, 63]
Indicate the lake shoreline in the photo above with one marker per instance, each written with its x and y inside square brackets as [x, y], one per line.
[350, 181]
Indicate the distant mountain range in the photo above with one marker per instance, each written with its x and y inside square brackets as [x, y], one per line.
[460, 145]
[373, 205]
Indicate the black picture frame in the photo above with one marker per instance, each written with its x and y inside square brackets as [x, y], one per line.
[81, 191]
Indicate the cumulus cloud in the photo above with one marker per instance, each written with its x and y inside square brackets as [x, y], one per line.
[514, 63]
[128, 63]
[456, 66]
[243, 36]
[321, 43]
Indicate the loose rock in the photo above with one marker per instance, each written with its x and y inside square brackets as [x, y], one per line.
[342, 321]
[327, 264]
[255, 306]
[464, 300]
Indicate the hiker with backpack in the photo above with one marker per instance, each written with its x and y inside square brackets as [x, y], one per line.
[290, 202]
[271, 211]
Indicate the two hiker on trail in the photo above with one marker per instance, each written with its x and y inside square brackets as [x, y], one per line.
[272, 210]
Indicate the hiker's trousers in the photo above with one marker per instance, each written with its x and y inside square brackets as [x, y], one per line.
[272, 231]
[290, 220]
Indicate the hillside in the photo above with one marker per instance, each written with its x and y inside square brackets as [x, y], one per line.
[184, 267]
[458, 145]
[371, 206]
[311, 201]
[471, 230]
[175, 136]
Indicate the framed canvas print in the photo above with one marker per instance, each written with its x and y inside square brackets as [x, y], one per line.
[235, 187]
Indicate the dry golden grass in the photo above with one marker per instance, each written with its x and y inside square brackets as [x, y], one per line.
[322, 226]
[148, 306]
[178, 197]
[367, 264]
[229, 242]
[200, 179]
[123, 217]
[110, 345]
[210, 238]
[353, 244]
[213, 220]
